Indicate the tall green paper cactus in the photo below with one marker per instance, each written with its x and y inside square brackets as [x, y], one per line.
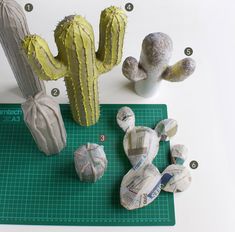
[77, 59]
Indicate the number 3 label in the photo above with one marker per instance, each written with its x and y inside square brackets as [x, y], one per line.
[102, 138]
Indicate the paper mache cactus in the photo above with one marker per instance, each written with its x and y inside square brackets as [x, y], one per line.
[13, 29]
[43, 118]
[90, 162]
[153, 67]
[77, 60]
[144, 182]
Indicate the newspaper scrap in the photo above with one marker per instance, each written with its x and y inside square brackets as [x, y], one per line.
[126, 118]
[90, 162]
[140, 187]
[179, 154]
[166, 129]
[141, 145]
[180, 181]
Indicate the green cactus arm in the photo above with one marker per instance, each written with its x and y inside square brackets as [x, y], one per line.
[132, 71]
[180, 71]
[112, 29]
[41, 59]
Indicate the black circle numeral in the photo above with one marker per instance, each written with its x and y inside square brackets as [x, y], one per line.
[28, 7]
[193, 164]
[55, 92]
[188, 51]
[129, 7]
[102, 138]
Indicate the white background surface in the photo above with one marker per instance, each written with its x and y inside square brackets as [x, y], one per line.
[203, 104]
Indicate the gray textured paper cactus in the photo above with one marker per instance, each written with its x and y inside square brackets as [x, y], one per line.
[153, 65]
[13, 29]
[43, 118]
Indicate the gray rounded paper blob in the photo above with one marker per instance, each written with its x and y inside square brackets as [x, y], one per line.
[90, 162]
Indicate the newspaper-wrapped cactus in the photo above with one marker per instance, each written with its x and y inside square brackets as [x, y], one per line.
[77, 60]
[153, 67]
[43, 118]
[142, 184]
[90, 162]
[13, 29]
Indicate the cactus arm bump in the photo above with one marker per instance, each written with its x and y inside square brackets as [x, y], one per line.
[109, 53]
[132, 70]
[41, 59]
[180, 71]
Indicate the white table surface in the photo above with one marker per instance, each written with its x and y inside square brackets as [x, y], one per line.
[203, 105]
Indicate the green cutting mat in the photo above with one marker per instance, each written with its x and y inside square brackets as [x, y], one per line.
[40, 190]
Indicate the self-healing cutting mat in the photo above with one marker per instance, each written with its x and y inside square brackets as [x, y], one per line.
[35, 189]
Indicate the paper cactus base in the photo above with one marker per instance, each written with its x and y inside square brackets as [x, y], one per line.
[39, 190]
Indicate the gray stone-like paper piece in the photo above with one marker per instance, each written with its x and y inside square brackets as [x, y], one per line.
[13, 29]
[43, 118]
[90, 162]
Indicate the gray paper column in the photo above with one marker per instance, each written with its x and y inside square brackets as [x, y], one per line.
[13, 29]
